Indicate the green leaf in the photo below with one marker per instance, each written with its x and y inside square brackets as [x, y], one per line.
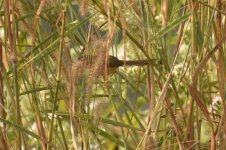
[173, 25]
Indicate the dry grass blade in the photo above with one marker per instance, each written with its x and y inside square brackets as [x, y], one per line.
[3, 141]
[196, 95]
[176, 126]
[173, 120]
[36, 20]
[198, 98]
[201, 65]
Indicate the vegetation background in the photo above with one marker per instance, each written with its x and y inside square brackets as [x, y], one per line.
[51, 100]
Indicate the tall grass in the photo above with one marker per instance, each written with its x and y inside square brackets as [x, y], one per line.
[50, 99]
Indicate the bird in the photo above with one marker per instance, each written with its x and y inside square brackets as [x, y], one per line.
[113, 63]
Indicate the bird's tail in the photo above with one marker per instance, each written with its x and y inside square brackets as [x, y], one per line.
[136, 62]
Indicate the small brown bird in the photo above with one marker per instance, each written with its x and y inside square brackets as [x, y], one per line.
[113, 62]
